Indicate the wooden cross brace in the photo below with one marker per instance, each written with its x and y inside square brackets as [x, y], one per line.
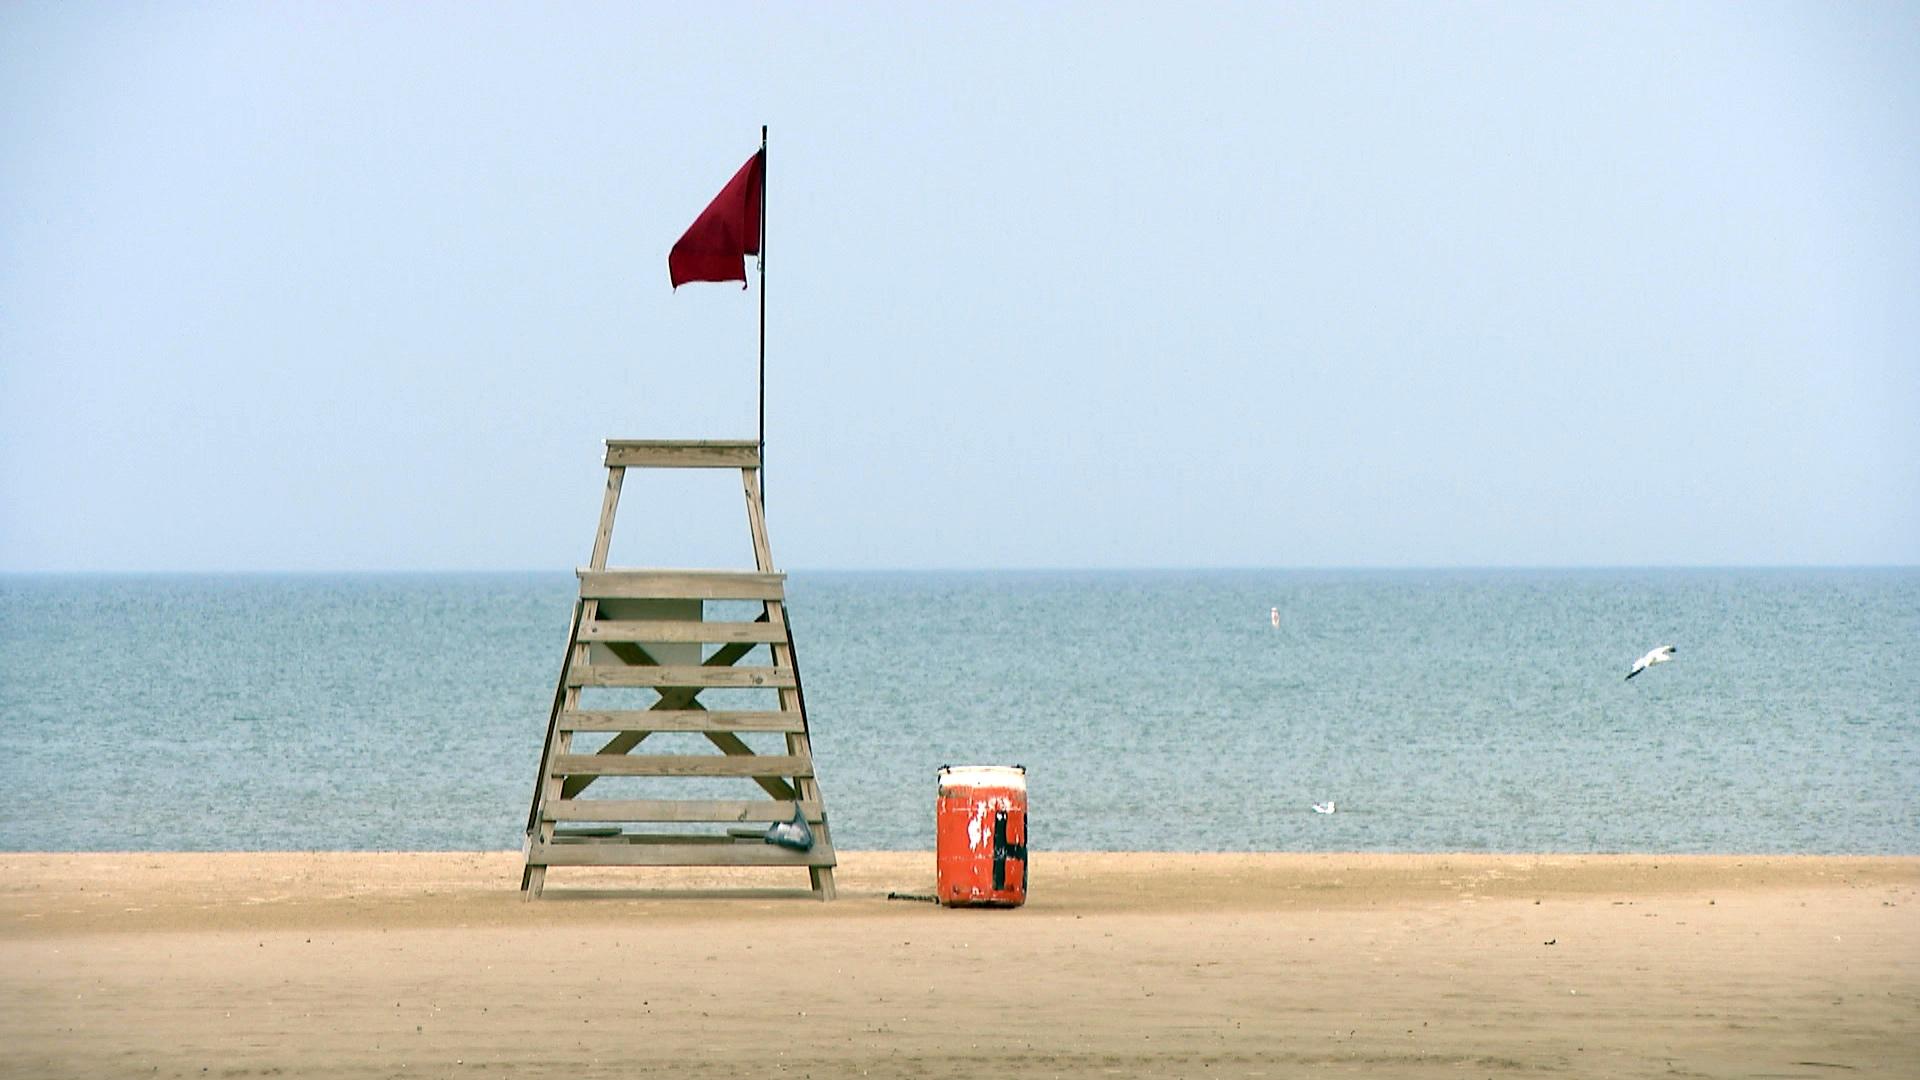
[682, 697]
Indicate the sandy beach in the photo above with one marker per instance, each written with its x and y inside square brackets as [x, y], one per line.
[361, 965]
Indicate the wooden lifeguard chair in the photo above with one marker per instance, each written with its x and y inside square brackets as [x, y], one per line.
[644, 631]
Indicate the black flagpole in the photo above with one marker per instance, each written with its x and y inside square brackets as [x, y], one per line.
[763, 318]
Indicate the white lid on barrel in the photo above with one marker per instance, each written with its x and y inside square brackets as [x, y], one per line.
[1004, 777]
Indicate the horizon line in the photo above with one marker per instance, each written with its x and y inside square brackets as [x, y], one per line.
[1029, 569]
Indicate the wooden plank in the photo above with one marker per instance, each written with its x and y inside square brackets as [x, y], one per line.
[678, 720]
[683, 453]
[691, 854]
[680, 584]
[681, 765]
[766, 810]
[670, 698]
[757, 520]
[672, 612]
[806, 787]
[678, 707]
[603, 533]
[641, 630]
[615, 836]
[553, 726]
[681, 697]
[729, 743]
[678, 675]
[559, 741]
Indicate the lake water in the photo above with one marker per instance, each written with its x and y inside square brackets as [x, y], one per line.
[1479, 710]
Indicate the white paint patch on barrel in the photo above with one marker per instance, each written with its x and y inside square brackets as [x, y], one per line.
[1003, 777]
[980, 825]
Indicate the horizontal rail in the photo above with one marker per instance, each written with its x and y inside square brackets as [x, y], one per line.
[613, 835]
[756, 810]
[683, 454]
[680, 585]
[691, 854]
[650, 630]
[748, 678]
[679, 720]
[780, 765]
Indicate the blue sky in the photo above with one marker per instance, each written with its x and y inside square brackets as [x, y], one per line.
[319, 287]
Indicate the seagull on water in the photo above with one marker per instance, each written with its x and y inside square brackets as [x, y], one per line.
[1658, 656]
[1323, 807]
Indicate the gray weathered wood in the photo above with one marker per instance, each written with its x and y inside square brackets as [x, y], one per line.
[680, 765]
[683, 453]
[798, 743]
[700, 720]
[614, 836]
[603, 533]
[680, 585]
[670, 698]
[553, 723]
[625, 649]
[560, 741]
[610, 630]
[729, 743]
[736, 678]
[767, 810]
[690, 854]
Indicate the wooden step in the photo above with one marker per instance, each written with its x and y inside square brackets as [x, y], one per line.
[777, 765]
[679, 720]
[617, 630]
[683, 454]
[680, 675]
[577, 831]
[615, 836]
[680, 585]
[762, 810]
[732, 853]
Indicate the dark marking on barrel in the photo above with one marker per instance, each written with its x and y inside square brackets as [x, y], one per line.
[1003, 850]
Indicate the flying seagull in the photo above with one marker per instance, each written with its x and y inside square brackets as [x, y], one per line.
[1658, 656]
[1323, 807]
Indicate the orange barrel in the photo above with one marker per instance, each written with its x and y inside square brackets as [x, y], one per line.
[980, 830]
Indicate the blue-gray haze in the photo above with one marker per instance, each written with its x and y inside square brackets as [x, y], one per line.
[360, 286]
[1442, 711]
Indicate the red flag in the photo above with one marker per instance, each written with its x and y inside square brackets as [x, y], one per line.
[715, 248]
